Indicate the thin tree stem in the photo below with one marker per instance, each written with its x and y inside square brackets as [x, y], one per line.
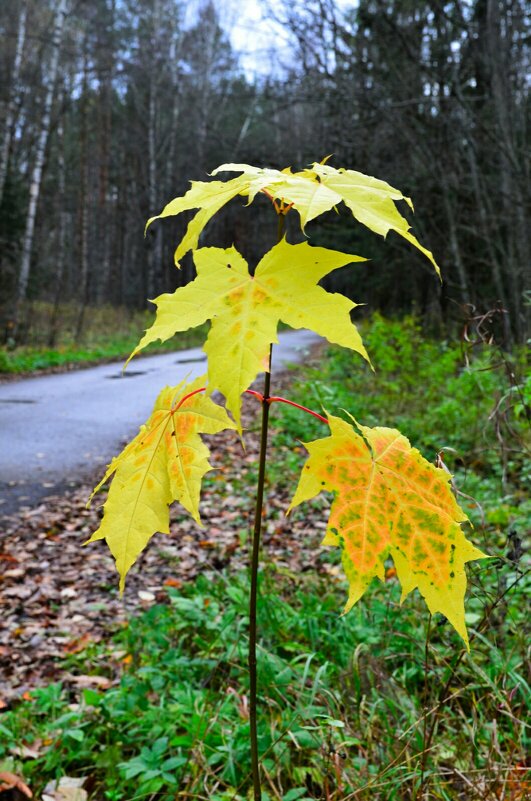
[253, 597]
[422, 784]
[255, 559]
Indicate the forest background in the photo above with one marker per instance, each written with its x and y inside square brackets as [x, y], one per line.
[109, 107]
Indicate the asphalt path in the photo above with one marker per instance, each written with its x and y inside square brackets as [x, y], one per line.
[55, 430]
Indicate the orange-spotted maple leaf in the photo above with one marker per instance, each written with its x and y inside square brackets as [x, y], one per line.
[389, 501]
[165, 462]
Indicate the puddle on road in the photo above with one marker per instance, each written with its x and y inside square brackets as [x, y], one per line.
[128, 374]
[17, 400]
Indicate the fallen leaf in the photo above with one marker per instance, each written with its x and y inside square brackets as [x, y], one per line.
[8, 781]
[28, 752]
[67, 788]
[144, 595]
[78, 644]
[83, 682]
[14, 573]
[171, 582]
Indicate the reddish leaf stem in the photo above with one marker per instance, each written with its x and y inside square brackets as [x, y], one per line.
[277, 398]
[256, 394]
[281, 207]
[190, 395]
[272, 399]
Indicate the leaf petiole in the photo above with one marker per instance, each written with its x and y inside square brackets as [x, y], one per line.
[260, 397]
[277, 398]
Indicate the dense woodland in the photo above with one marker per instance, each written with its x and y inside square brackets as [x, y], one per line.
[109, 107]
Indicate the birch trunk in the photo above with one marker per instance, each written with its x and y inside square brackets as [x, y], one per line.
[174, 55]
[61, 235]
[35, 186]
[13, 99]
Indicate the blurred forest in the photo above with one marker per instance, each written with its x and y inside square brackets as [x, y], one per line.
[109, 107]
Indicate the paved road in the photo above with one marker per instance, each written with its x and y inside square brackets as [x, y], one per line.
[56, 429]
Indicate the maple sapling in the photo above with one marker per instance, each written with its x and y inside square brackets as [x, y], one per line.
[389, 502]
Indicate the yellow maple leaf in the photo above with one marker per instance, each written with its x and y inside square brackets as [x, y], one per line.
[372, 202]
[209, 198]
[312, 192]
[165, 462]
[245, 310]
[389, 501]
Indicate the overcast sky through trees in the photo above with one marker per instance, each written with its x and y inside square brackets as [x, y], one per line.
[108, 108]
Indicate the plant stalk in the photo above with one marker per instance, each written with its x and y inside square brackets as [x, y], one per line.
[255, 559]
[253, 597]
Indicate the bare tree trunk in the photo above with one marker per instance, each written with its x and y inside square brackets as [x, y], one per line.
[13, 98]
[513, 202]
[245, 126]
[120, 251]
[169, 188]
[105, 216]
[35, 185]
[61, 235]
[174, 56]
[484, 212]
[83, 205]
[155, 249]
[454, 244]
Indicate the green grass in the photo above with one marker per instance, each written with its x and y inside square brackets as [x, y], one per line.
[359, 707]
[355, 686]
[109, 333]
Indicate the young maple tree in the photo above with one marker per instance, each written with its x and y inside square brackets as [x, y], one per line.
[389, 501]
